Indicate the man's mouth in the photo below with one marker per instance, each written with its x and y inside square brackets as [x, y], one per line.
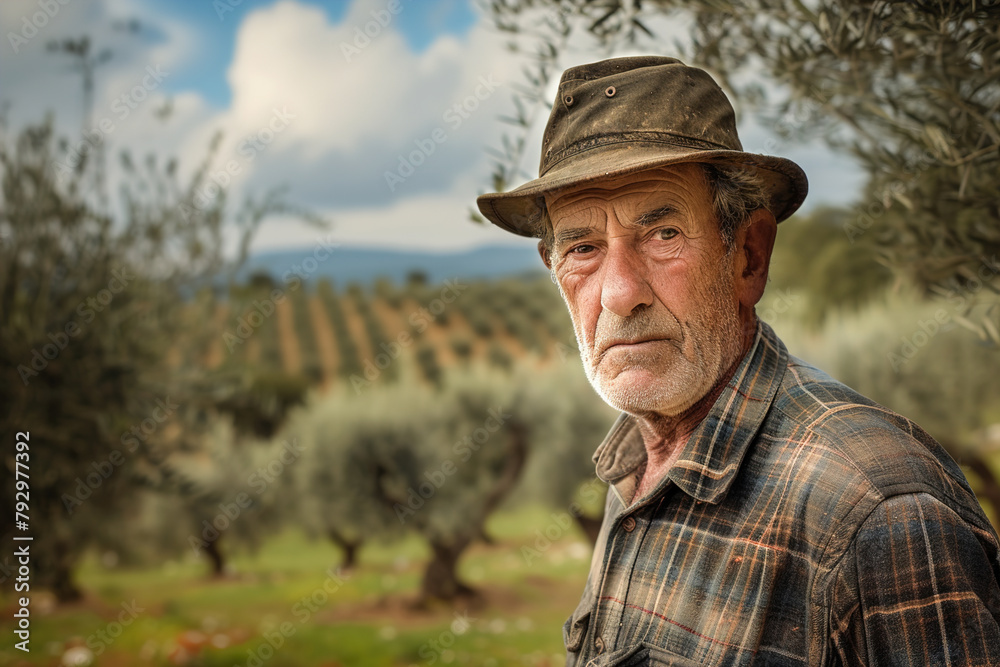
[627, 343]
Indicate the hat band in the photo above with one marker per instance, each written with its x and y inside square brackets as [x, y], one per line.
[652, 137]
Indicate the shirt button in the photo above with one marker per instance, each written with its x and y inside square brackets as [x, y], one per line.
[599, 645]
[628, 524]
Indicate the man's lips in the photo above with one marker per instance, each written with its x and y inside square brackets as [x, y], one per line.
[625, 343]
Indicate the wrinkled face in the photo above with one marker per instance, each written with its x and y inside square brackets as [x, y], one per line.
[650, 287]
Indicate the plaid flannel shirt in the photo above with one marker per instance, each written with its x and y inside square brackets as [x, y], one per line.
[802, 524]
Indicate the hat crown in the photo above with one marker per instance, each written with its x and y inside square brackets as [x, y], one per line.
[637, 100]
[628, 115]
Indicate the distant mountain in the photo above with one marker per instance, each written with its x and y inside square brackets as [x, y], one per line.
[363, 265]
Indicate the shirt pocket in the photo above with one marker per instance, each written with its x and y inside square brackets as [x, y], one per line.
[645, 655]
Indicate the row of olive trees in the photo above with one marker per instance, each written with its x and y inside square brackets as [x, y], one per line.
[438, 463]
[398, 458]
[215, 493]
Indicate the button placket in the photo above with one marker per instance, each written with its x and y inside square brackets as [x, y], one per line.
[624, 551]
[605, 613]
[632, 540]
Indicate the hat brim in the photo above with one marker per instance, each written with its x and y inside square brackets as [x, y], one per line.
[519, 210]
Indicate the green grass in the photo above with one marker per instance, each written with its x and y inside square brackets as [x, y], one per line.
[367, 619]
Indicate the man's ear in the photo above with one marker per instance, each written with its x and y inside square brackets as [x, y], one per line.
[754, 244]
[544, 254]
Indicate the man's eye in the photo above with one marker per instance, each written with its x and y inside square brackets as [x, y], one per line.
[667, 233]
[580, 249]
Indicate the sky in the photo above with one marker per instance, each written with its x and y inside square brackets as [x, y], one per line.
[305, 99]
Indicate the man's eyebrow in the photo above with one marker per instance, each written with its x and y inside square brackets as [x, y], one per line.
[572, 234]
[645, 220]
[651, 217]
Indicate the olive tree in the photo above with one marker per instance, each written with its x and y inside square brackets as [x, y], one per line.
[92, 294]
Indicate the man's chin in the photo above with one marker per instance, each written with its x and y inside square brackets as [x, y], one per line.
[640, 390]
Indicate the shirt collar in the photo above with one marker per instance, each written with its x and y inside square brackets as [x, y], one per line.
[710, 459]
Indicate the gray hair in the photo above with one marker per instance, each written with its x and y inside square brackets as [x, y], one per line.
[736, 193]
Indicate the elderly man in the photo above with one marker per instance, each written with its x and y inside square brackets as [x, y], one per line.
[759, 512]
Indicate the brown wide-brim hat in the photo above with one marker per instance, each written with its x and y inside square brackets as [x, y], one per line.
[626, 115]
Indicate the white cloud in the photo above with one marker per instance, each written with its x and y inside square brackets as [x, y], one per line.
[353, 120]
[362, 110]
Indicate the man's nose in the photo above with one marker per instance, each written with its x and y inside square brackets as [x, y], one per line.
[624, 287]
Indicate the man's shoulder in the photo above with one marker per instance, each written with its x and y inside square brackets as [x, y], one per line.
[842, 442]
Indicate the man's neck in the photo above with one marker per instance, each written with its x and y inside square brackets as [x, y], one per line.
[664, 436]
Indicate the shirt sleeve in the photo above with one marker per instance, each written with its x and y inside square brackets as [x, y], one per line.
[917, 587]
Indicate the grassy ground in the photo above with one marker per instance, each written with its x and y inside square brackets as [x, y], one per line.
[287, 606]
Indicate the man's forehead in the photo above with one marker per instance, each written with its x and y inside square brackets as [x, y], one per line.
[681, 182]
